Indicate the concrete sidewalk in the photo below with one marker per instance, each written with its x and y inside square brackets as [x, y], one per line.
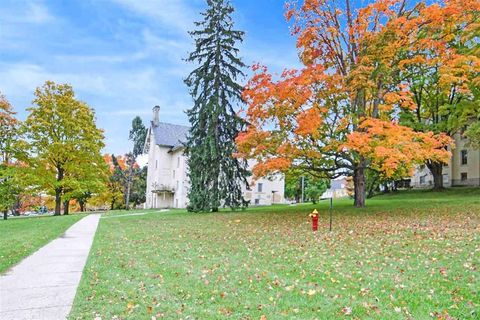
[44, 284]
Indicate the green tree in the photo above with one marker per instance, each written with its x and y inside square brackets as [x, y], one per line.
[442, 80]
[139, 186]
[468, 117]
[473, 134]
[216, 176]
[85, 183]
[112, 194]
[63, 140]
[138, 134]
[314, 188]
[125, 171]
[293, 185]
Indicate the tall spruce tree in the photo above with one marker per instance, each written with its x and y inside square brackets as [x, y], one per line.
[216, 176]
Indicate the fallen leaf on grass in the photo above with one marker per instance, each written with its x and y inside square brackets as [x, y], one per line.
[347, 311]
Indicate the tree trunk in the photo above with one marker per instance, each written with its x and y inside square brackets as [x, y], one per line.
[127, 196]
[58, 202]
[66, 207]
[5, 214]
[436, 168]
[82, 206]
[58, 192]
[359, 184]
[129, 187]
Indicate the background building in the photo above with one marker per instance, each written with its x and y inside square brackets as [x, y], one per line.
[338, 189]
[463, 168]
[167, 170]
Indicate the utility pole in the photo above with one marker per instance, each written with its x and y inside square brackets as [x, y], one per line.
[303, 189]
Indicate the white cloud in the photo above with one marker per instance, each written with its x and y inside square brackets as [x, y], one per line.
[177, 15]
[167, 51]
[18, 79]
[26, 12]
[38, 13]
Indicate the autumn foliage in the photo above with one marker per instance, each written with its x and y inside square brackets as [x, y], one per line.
[338, 114]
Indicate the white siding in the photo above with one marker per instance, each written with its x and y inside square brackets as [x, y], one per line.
[169, 168]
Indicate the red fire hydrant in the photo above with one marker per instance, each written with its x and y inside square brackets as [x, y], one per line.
[314, 216]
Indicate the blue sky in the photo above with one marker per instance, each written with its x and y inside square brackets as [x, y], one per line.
[123, 56]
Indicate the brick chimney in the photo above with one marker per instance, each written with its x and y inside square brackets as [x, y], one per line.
[156, 111]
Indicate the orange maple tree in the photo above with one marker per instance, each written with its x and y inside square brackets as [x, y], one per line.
[338, 114]
[441, 70]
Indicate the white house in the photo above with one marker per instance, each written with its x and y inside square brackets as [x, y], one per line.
[167, 173]
[338, 189]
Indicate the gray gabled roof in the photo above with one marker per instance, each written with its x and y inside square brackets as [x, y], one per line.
[169, 135]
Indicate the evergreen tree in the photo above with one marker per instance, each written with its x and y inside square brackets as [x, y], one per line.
[138, 134]
[216, 176]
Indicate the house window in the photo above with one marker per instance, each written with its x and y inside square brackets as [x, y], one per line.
[260, 187]
[173, 174]
[178, 162]
[464, 156]
[178, 185]
[156, 164]
[464, 176]
[462, 132]
[257, 201]
[422, 179]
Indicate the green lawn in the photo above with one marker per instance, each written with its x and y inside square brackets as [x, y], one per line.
[21, 237]
[412, 255]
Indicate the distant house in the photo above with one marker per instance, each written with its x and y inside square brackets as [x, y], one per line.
[338, 189]
[463, 169]
[167, 170]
